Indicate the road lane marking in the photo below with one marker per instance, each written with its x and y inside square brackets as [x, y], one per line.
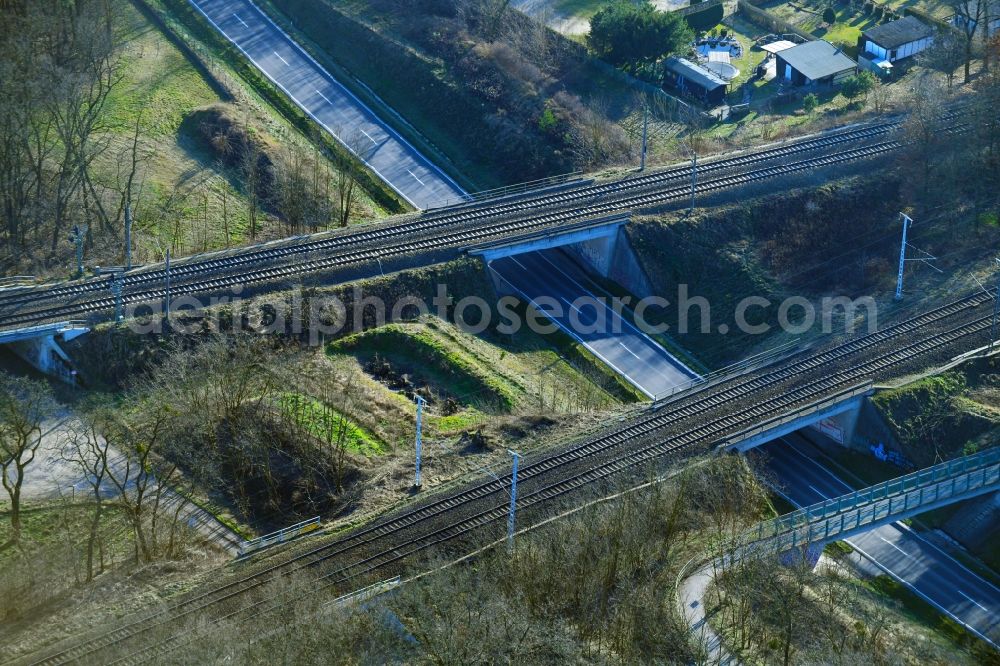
[906, 554]
[816, 491]
[241, 21]
[282, 59]
[410, 172]
[323, 96]
[617, 317]
[813, 461]
[572, 333]
[376, 143]
[628, 350]
[974, 601]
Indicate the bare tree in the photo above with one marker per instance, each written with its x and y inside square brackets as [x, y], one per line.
[58, 64]
[24, 405]
[925, 138]
[970, 15]
[303, 191]
[90, 453]
[945, 55]
[138, 439]
[251, 172]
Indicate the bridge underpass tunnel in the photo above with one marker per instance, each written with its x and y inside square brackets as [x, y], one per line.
[557, 276]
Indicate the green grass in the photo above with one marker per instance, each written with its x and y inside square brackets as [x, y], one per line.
[578, 8]
[416, 350]
[51, 524]
[745, 32]
[160, 85]
[320, 419]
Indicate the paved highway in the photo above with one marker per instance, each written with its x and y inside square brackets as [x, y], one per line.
[902, 553]
[329, 103]
[550, 274]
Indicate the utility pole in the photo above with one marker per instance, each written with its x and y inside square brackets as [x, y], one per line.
[117, 274]
[694, 178]
[645, 127]
[420, 410]
[77, 236]
[166, 296]
[902, 256]
[513, 500]
[128, 236]
[996, 310]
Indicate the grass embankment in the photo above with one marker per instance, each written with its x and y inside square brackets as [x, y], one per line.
[505, 100]
[319, 420]
[179, 202]
[185, 200]
[222, 55]
[773, 247]
[485, 384]
[945, 416]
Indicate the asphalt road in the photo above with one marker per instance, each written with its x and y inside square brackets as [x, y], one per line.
[329, 103]
[896, 549]
[550, 274]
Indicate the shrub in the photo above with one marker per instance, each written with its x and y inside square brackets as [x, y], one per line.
[810, 102]
[858, 85]
[626, 34]
[829, 15]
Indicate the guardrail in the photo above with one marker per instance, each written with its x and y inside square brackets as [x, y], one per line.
[14, 281]
[947, 482]
[794, 415]
[740, 367]
[367, 593]
[282, 535]
[508, 190]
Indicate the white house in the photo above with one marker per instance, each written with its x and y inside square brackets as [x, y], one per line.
[896, 40]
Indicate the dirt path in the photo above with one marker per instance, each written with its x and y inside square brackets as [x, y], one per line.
[51, 476]
[692, 599]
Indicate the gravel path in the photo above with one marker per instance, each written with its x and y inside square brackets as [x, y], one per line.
[51, 475]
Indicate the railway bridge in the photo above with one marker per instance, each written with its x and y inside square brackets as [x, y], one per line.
[553, 272]
[835, 415]
[39, 346]
[441, 234]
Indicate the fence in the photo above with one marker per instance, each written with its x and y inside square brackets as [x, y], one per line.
[769, 21]
[282, 535]
[511, 190]
[17, 281]
[892, 500]
[740, 367]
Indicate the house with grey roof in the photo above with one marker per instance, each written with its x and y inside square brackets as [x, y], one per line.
[693, 79]
[896, 40]
[814, 63]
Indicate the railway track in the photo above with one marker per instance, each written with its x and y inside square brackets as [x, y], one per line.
[448, 239]
[399, 552]
[448, 217]
[640, 430]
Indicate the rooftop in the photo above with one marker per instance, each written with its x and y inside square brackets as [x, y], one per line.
[896, 33]
[818, 59]
[694, 73]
